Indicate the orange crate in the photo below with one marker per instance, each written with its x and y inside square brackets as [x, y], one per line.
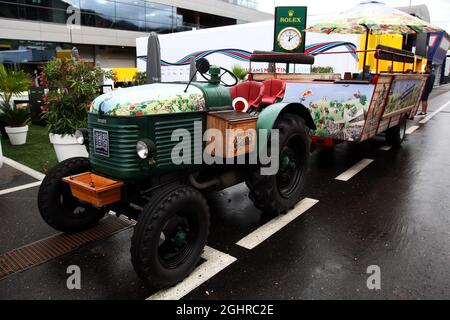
[94, 189]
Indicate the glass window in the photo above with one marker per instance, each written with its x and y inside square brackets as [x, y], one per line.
[128, 11]
[9, 11]
[100, 7]
[158, 27]
[159, 16]
[137, 15]
[58, 4]
[126, 24]
[93, 20]
[139, 3]
[50, 15]
[158, 6]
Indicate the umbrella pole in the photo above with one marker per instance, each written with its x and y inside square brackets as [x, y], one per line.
[365, 53]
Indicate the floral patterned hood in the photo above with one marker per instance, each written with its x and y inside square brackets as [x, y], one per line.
[150, 99]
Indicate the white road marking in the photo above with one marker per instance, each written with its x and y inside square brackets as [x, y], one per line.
[215, 262]
[386, 148]
[22, 187]
[427, 118]
[354, 170]
[264, 232]
[411, 129]
[18, 166]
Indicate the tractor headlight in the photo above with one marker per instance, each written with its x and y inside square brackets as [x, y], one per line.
[144, 148]
[82, 136]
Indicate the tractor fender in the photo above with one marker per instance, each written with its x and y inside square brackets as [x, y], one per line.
[270, 114]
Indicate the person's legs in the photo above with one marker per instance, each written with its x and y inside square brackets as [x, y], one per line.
[424, 106]
[424, 101]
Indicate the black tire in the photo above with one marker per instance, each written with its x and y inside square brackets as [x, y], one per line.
[396, 135]
[58, 207]
[170, 236]
[267, 192]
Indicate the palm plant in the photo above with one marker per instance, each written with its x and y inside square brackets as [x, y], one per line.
[239, 72]
[319, 69]
[16, 117]
[13, 83]
[140, 78]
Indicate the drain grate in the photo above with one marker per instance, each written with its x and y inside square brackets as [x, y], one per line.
[44, 250]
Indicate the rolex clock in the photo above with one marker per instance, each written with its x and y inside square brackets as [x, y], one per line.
[289, 39]
[289, 25]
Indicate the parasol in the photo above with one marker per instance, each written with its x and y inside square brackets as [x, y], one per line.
[153, 59]
[373, 17]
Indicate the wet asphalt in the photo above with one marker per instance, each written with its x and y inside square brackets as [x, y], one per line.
[394, 214]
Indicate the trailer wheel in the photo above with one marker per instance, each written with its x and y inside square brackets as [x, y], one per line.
[170, 235]
[58, 207]
[396, 135]
[275, 194]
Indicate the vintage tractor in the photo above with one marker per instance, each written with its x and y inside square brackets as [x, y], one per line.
[131, 168]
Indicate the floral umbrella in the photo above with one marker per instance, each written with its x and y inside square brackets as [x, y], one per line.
[376, 18]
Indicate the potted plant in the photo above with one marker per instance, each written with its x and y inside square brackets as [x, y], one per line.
[140, 78]
[72, 84]
[17, 118]
[240, 72]
[13, 83]
[1, 154]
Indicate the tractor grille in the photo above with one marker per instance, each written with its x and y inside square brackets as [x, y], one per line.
[163, 133]
[123, 161]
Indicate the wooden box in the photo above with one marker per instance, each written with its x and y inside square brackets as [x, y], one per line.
[238, 133]
[96, 190]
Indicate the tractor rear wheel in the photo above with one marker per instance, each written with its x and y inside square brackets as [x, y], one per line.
[275, 194]
[170, 235]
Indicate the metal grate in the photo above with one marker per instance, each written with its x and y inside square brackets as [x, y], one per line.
[47, 249]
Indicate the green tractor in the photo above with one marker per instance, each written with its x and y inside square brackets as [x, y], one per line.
[131, 169]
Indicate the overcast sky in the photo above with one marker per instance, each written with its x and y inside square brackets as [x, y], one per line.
[439, 9]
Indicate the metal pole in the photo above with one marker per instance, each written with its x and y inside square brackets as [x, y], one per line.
[365, 53]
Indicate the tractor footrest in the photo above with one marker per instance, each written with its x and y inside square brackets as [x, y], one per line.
[96, 190]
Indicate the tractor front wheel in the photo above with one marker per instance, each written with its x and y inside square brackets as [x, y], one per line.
[58, 207]
[170, 235]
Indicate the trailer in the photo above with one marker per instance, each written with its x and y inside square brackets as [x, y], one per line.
[346, 109]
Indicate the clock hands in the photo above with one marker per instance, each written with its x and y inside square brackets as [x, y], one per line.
[292, 37]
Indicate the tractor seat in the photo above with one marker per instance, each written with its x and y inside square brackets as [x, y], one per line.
[273, 90]
[252, 91]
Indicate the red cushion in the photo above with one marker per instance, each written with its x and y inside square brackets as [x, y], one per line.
[252, 91]
[273, 89]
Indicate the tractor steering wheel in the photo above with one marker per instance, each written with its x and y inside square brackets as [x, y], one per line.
[225, 71]
[203, 65]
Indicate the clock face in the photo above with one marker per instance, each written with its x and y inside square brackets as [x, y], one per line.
[289, 39]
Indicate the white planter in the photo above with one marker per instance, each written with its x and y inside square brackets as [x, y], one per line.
[67, 147]
[1, 154]
[17, 135]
